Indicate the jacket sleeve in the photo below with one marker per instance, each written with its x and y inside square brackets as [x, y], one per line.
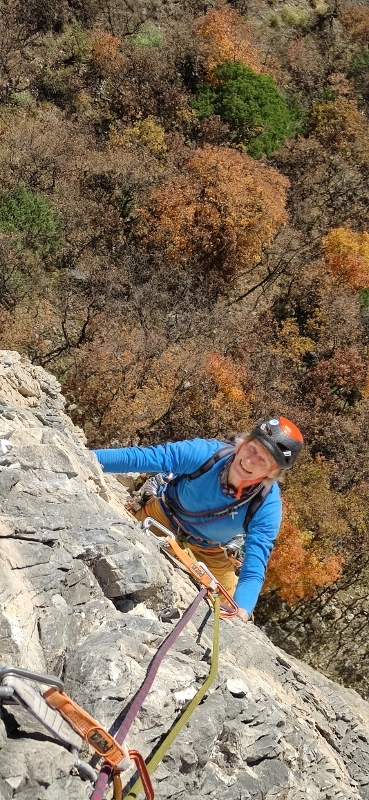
[178, 457]
[261, 535]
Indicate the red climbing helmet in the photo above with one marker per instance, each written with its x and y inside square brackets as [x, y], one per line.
[281, 438]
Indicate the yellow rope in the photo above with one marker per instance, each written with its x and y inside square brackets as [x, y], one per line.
[177, 727]
[185, 546]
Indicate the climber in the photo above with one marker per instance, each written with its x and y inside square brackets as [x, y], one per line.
[213, 489]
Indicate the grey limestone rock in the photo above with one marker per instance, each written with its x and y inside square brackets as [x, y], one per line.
[85, 595]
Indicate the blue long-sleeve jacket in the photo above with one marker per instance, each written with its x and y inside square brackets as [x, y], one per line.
[205, 494]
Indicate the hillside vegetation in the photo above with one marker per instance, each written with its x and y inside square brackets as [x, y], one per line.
[184, 243]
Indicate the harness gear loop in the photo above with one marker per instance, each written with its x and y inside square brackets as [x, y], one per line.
[154, 762]
[197, 569]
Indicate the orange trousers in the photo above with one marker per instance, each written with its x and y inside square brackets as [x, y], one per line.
[214, 557]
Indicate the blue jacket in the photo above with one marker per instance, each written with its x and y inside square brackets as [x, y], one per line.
[205, 494]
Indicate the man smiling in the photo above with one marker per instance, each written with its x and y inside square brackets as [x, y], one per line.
[218, 492]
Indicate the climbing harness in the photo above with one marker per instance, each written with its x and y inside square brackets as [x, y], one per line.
[197, 569]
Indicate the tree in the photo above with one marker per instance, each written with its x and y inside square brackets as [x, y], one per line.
[225, 36]
[347, 256]
[124, 380]
[220, 211]
[251, 104]
[296, 567]
[339, 124]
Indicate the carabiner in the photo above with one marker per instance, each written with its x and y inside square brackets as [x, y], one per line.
[39, 677]
[143, 773]
[150, 522]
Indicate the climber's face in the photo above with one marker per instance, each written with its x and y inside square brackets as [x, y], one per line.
[251, 464]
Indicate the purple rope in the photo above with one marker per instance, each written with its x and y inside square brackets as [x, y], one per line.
[140, 696]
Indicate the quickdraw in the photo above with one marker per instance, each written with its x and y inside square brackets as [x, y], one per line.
[74, 720]
[197, 569]
[118, 756]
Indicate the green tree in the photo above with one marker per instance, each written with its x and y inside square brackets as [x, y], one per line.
[252, 105]
[24, 211]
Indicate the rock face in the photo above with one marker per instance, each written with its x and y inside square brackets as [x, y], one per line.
[83, 596]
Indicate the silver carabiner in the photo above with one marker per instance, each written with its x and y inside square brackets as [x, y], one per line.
[50, 680]
[150, 522]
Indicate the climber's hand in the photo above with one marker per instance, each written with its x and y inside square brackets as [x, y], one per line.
[242, 614]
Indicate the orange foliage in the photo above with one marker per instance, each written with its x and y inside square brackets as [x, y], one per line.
[231, 403]
[339, 124]
[227, 37]
[123, 383]
[347, 256]
[222, 212]
[296, 569]
[356, 19]
[32, 326]
[366, 387]
[105, 55]
[227, 376]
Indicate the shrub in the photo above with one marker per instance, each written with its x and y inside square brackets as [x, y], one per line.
[347, 256]
[294, 17]
[53, 85]
[76, 43]
[23, 211]
[340, 125]
[355, 19]
[106, 58]
[252, 105]
[147, 131]
[360, 62]
[37, 15]
[274, 21]
[224, 35]
[147, 36]
[23, 98]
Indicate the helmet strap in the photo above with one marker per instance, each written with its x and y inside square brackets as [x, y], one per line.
[248, 482]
